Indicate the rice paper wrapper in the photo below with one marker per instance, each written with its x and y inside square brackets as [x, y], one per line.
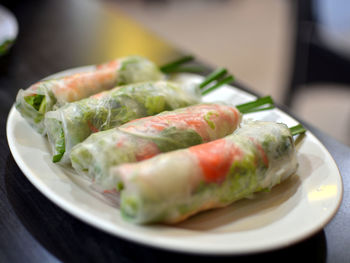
[173, 186]
[144, 138]
[74, 122]
[56, 92]
[35, 117]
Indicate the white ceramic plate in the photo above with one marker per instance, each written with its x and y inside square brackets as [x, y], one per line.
[292, 211]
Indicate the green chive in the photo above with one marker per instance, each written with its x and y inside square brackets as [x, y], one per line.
[190, 69]
[169, 67]
[226, 80]
[261, 104]
[215, 75]
[297, 129]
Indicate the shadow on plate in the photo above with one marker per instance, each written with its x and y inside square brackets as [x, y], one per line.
[71, 240]
[247, 214]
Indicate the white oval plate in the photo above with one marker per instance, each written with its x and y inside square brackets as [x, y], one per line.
[291, 212]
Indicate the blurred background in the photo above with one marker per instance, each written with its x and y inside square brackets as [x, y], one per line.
[297, 51]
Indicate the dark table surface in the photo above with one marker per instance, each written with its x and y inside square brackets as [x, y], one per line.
[56, 35]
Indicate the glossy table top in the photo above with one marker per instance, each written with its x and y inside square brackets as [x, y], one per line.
[56, 35]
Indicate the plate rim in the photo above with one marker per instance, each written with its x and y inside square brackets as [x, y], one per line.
[94, 221]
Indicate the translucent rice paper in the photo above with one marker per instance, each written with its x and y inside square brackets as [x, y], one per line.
[144, 138]
[56, 92]
[173, 186]
[74, 122]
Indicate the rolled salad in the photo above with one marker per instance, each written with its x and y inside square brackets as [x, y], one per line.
[50, 94]
[171, 130]
[173, 186]
[146, 137]
[74, 122]
[154, 143]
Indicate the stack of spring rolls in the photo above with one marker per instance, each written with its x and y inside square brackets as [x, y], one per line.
[152, 142]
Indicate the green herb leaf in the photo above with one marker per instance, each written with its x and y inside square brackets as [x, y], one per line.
[173, 139]
[5, 46]
[60, 145]
[35, 100]
[120, 186]
[208, 120]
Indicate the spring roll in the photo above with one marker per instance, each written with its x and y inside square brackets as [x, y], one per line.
[176, 185]
[144, 138]
[74, 122]
[49, 94]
